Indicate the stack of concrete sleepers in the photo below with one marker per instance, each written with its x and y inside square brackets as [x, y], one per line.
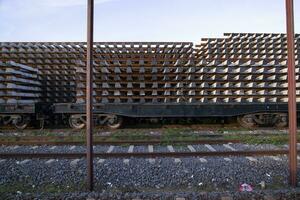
[236, 68]
[55, 61]
[246, 68]
[138, 73]
[245, 47]
[19, 83]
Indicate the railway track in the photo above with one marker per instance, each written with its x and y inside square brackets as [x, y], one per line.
[145, 154]
[123, 142]
[200, 149]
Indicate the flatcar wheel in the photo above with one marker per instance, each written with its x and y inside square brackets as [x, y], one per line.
[21, 122]
[76, 122]
[246, 121]
[114, 122]
[282, 121]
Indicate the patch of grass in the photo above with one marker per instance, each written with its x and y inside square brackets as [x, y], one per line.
[45, 188]
[166, 135]
[232, 130]
[14, 187]
[278, 183]
[262, 139]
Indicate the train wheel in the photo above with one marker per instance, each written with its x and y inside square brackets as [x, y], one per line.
[282, 121]
[21, 122]
[114, 122]
[76, 122]
[246, 121]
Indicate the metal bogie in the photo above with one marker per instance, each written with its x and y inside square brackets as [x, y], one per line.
[78, 121]
[19, 121]
[263, 119]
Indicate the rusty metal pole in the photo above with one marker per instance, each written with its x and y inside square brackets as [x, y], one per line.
[291, 92]
[89, 95]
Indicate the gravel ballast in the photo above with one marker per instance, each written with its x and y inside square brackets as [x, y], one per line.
[188, 176]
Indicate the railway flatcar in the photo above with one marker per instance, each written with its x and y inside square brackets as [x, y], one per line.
[20, 92]
[242, 75]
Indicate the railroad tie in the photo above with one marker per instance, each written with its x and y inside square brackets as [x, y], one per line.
[150, 149]
[214, 150]
[227, 159]
[49, 161]
[72, 147]
[15, 147]
[192, 149]
[74, 162]
[171, 149]
[276, 158]
[229, 147]
[210, 148]
[24, 162]
[110, 149]
[130, 150]
[252, 159]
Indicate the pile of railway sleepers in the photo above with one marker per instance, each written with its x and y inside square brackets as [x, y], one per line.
[139, 73]
[19, 83]
[239, 67]
[246, 67]
[246, 46]
[56, 62]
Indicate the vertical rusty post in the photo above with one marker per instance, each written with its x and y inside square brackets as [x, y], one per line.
[89, 94]
[291, 92]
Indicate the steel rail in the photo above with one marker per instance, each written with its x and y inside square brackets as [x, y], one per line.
[123, 142]
[145, 154]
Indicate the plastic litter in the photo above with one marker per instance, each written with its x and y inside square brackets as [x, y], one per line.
[246, 188]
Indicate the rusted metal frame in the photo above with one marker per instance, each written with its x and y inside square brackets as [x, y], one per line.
[291, 93]
[146, 154]
[89, 95]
